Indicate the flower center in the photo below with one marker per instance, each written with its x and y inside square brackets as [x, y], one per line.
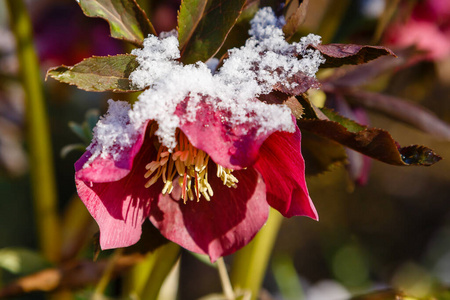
[191, 166]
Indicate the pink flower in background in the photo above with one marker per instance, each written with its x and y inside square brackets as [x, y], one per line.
[428, 29]
[199, 154]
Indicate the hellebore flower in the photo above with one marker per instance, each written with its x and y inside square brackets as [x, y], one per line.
[199, 154]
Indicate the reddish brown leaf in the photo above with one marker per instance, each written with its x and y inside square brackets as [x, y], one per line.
[303, 82]
[337, 55]
[70, 275]
[373, 142]
[294, 20]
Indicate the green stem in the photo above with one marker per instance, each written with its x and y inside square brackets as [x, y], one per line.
[106, 277]
[146, 278]
[250, 263]
[386, 17]
[42, 176]
[225, 280]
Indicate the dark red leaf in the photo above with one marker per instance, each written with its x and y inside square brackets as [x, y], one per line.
[337, 55]
[373, 142]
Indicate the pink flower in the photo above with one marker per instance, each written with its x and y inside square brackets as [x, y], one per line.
[199, 154]
[208, 207]
[428, 29]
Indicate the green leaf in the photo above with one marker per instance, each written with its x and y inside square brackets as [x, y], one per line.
[99, 73]
[373, 142]
[127, 21]
[189, 15]
[337, 55]
[218, 19]
[239, 33]
[21, 261]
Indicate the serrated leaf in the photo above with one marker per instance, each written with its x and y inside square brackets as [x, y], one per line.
[218, 19]
[99, 73]
[189, 15]
[296, 19]
[337, 55]
[373, 142]
[127, 21]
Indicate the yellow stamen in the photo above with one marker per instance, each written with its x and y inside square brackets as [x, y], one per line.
[190, 164]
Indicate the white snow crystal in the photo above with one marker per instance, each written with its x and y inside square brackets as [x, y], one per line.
[250, 71]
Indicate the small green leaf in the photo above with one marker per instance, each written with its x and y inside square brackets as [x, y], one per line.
[350, 125]
[337, 55]
[218, 19]
[189, 15]
[373, 142]
[127, 21]
[99, 73]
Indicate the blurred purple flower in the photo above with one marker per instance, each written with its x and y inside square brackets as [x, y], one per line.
[64, 35]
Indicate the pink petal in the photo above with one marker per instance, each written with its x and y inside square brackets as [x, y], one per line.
[120, 207]
[107, 169]
[282, 166]
[425, 35]
[229, 145]
[218, 227]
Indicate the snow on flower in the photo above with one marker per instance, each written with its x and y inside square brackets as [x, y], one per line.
[199, 153]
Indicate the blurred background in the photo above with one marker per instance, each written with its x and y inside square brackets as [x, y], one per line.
[380, 226]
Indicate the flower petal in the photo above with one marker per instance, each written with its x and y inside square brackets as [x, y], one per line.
[120, 207]
[217, 227]
[233, 146]
[108, 169]
[283, 168]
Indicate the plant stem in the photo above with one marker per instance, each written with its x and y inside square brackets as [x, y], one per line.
[250, 263]
[384, 19]
[145, 279]
[41, 159]
[107, 274]
[225, 280]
